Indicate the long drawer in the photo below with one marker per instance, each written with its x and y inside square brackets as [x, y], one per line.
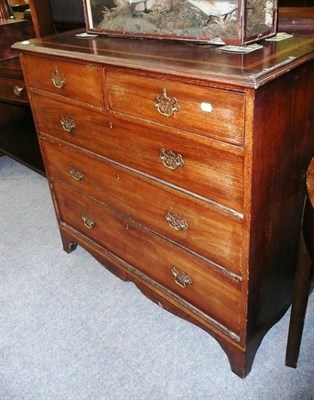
[183, 274]
[75, 81]
[193, 223]
[208, 111]
[184, 160]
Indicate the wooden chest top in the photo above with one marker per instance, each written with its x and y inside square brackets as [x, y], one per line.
[204, 62]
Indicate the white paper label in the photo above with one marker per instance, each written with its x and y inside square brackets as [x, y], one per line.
[206, 107]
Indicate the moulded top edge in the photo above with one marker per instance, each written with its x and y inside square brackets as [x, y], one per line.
[205, 62]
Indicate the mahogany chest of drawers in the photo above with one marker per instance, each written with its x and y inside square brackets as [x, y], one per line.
[181, 168]
[18, 137]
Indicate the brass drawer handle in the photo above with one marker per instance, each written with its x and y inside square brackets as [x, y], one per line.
[170, 159]
[76, 173]
[165, 105]
[181, 278]
[17, 90]
[88, 221]
[177, 223]
[68, 124]
[58, 79]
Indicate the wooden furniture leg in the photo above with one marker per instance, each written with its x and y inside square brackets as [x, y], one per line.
[303, 275]
[299, 305]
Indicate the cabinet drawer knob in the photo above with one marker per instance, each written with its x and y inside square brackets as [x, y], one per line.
[170, 159]
[181, 278]
[58, 79]
[17, 90]
[177, 223]
[88, 221]
[68, 124]
[76, 173]
[165, 105]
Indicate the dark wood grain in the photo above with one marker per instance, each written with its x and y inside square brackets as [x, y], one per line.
[242, 181]
[303, 275]
[103, 133]
[42, 17]
[209, 230]
[12, 31]
[39, 75]
[18, 137]
[135, 95]
[220, 291]
[181, 59]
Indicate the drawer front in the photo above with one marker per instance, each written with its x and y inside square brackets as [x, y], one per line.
[206, 288]
[207, 111]
[202, 168]
[190, 222]
[13, 90]
[75, 81]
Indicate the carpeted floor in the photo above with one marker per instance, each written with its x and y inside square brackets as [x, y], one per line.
[70, 330]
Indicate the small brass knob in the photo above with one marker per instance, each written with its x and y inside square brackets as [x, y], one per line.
[88, 221]
[181, 278]
[18, 90]
[166, 106]
[176, 222]
[170, 159]
[76, 173]
[68, 124]
[58, 79]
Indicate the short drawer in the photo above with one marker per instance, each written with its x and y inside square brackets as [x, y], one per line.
[190, 222]
[189, 277]
[185, 160]
[75, 81]
[13, 90]
[215, 113]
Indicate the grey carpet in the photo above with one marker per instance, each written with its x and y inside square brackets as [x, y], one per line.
[70, 330]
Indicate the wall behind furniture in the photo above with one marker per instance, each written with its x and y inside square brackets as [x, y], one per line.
[70, 11]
